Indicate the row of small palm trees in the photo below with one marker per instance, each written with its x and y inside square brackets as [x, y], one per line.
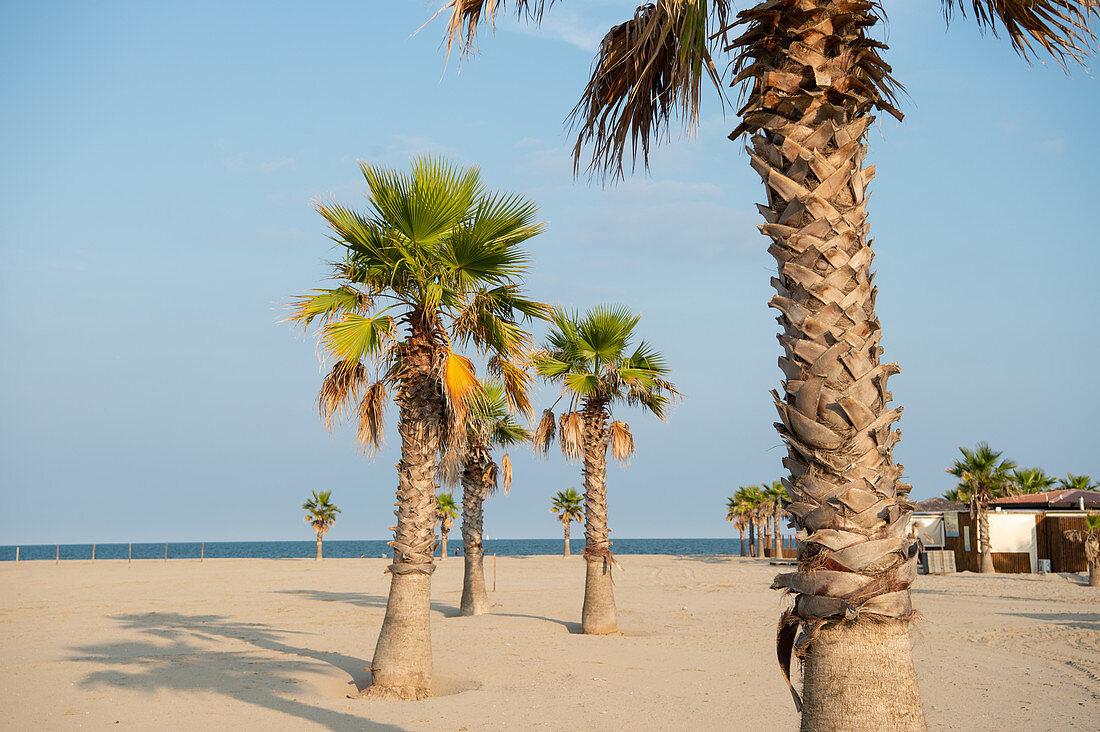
[985, 474]
[757, 508]
[430, 279]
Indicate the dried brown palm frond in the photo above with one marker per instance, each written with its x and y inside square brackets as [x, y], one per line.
[339, 389]
[372, 412]
[450, 467]
[506, 473]
[516, 383]
[1060, 27]
[466, 15]
[622, 443]
[571, 435]
[544, 433]
[646, 69]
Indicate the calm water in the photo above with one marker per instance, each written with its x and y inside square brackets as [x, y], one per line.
[306, 549]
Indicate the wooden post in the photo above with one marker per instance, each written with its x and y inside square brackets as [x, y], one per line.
[202, 551]
[57, 559]
[93, 552]
[494, 571]
[165, 552]
[130, 553]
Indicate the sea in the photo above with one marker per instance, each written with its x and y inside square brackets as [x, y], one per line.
[347, 549]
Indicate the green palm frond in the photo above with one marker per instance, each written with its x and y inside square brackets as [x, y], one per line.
[1032, 480]
[320, 511]
[982, 473]
[1059, 27]
[445, 506]
[568, 504]
[1077, 482]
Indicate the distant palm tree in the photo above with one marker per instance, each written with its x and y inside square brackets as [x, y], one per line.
[1032, 480]
[1077, 482]
[736, 516]
[321, 515]
[953, 495]
[593, 358]
[568, 508]
[435, 263]
[983, 476]
[489, 425]
[777, 498]
[446, 511]
[1090, 536]
[747, 500]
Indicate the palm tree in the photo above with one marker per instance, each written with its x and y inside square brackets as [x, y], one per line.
[446, 511]
[321, 515]
[983, 476]
[435, 264]
[567, 507]
[593, 359]
[747, 500]
[1090, 536]
[488, 425]
[1032, 480]
[1077, 483]
[953, 495]
[777, 499]
[813, 78]
[736, 516]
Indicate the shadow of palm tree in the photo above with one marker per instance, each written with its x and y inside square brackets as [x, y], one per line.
[362, 599]
[574, 628]
[181, 664]
[1085, 621]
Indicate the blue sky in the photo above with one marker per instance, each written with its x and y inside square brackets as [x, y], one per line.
[160, 164]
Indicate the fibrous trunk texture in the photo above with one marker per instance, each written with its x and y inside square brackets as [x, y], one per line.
[1094, 574]
[816, 77]
[983, 539]
[775, 536]
[476, 477]
[752, 538]
[741, 533]
[402, 665]
[565, 552]
[860, 676]
[442, 541]
[318, 547]
[759, 539]
[598, 614]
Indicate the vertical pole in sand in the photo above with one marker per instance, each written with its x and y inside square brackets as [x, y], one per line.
[130, 553]
[494, 571]
[57, 558]
[165, 552]
[17, 554]
[93, 553]
[202, 551]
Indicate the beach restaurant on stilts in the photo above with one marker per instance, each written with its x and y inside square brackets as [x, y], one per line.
[1027, 533]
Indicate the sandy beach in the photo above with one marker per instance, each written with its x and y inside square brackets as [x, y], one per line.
[279, 644]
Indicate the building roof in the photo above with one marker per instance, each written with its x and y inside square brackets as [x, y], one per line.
[938, 505]
[1050, 499]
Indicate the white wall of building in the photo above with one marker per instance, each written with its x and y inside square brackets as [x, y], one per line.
[929, 529]
[1014, 532]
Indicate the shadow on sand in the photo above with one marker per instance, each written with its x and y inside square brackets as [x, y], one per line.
[251, 677]
[362, 599]
[1085, 621]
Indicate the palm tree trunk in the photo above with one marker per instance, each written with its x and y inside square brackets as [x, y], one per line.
[566, 523]
[752, 538]
[983, 539]
[475, 601]
[402, 664]
[816, 79]
[759, 538]
[443, 540]
[775, 536]
[598, 615]
[318, 546]
[1094, 574]
[741, 535]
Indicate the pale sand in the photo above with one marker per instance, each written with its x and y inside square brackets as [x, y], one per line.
[278, 644]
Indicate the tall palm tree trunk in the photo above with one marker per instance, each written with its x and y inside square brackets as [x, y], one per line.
[775, 536]
[816, 79]
[1094, 574]
[402, 664]
[598, 615]
[475, 601]
[986, 549]
[565, 523]
[752, 538]
[443, 530]
[759, 538]
[741, 535]
[318, 546]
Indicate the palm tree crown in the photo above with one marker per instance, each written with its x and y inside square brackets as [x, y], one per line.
[490, 424]
[567, 505]
[446, 510]
[321, 513]
[1032, 480]
[440, 255]
[982, 474]
[594, 360]
[1077, 482]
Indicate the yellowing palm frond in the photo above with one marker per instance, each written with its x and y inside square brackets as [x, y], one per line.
[622, 443]
[571, 433]
[459, 381]
[544, 432]
[339, 389]
[1059, 27]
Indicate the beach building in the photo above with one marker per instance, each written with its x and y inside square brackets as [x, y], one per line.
[1027, 533]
